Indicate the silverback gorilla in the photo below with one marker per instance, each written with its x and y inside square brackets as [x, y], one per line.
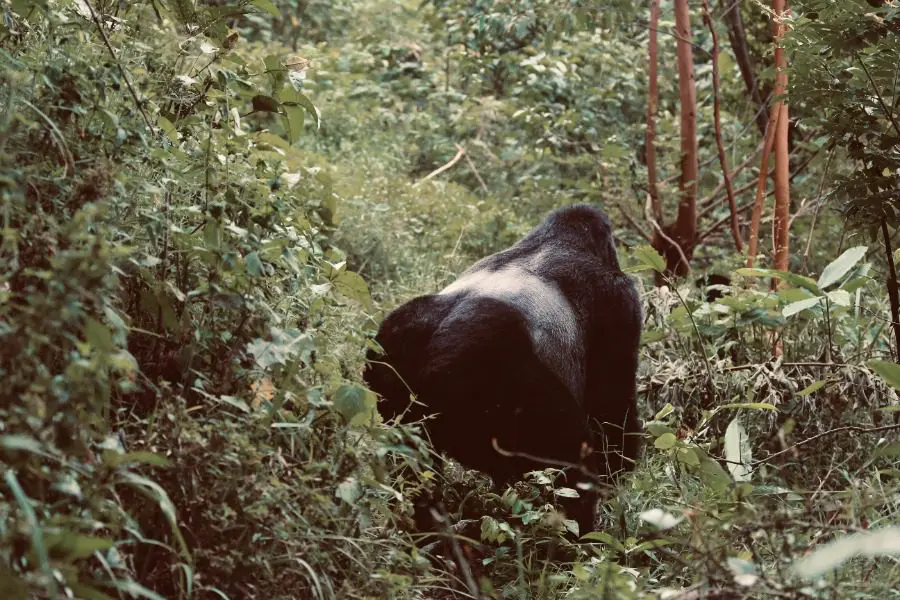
[535, 347]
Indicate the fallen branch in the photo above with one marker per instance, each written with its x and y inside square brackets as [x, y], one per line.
[460, 151]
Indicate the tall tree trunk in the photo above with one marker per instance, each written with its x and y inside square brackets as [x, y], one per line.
[652, 101]
[738, 38]
[753, 237]
[780, 239]
[685, 230]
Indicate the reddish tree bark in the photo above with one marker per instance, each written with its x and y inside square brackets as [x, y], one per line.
[676, 242]
[753, 237]
[652, 101]
[780, 237]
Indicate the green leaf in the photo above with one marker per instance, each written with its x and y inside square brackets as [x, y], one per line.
[648, 336]
[664, 412]
[212, 234]
[737, 451]
[839, 297]
[295, 116]
[841, 266]
[275, 71]
[750, 405]
[657, 429]
[889, 450]
[353, 286]
[115, 459]
[813, 387]
[21, 442]
[29, 518]
[156, 493]
[267, 6]
[349, 491]
[98, 335]
[688, 456]
[726, 64]
[604, 538]
[713, 475]
[285, 345]
[884, 542]
[75, 546]
[797, 307]
[355, 403]
[791, 278]
[889, 371]
[254, 265]
[294, 98]
[84, 592]
[649, 257]
[660, 519]
[612, 151]
[566, 492]
[665, 441]
[168, 128]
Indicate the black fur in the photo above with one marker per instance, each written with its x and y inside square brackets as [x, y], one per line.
[711, 286]
[539, 351]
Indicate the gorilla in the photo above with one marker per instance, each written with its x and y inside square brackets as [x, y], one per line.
[533, 350]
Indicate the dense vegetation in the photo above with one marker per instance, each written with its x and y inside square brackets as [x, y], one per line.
[207, 208]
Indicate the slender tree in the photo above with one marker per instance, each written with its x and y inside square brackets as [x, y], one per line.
[676, 241]
[686, 223]
[781, 220]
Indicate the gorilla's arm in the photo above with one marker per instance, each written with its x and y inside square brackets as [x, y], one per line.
[612, 359]
[404, 336]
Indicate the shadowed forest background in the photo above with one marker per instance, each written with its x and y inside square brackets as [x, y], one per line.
[207, 208]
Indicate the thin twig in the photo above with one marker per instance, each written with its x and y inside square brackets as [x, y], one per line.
[848, 428]
[819, 202]
[711, 201]
[887, 112]
[717, 124]
[474, 170]
[715, 226]
[634, 224]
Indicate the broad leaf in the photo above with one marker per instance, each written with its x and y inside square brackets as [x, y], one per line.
[839, 297]
[665, 441]
[660, 519]
[737, 451]
[267, 6]
[649, 257]
[791, 278]
[841, 266]
[797, 307]
[354, 403]
[889, 371]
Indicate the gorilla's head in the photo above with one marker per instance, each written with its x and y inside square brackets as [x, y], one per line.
[579, 227]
